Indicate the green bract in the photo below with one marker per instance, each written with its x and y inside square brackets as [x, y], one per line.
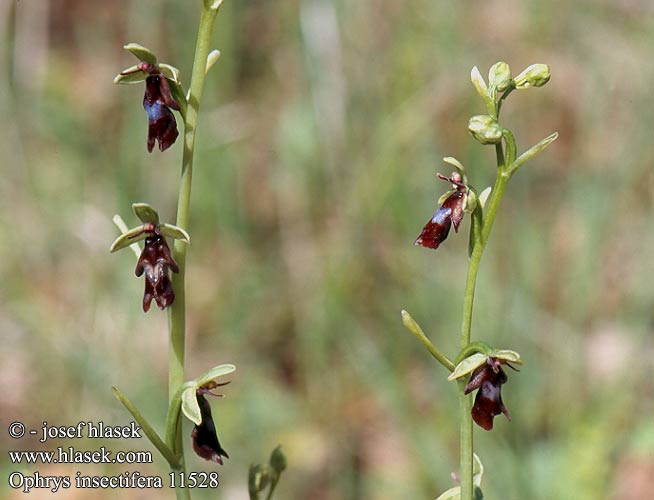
[479, 83]
[211, 59]
[213, 4]
[261, 477]
[471, 201]
[478, 472]
[533, 151]
[258, 479]
[483, 196]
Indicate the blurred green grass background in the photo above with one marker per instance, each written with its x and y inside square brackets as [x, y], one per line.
[323, 124]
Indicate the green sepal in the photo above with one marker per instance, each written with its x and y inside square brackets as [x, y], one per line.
[122, 227]
[278, 460]
[146, 213]
[213, 56]
[190, 406]
[134, 235]
[175, 232]
[170, 72]
[214, 373]
[468, 365]
[445, 196]
[506, 355]
[141, 53]
[473, 347]
[450, 160]
[130, 76]
[189, 402]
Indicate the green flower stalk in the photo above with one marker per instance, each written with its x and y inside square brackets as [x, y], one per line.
[478, 360]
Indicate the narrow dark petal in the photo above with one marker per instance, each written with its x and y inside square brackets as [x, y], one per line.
[456, 202]
[436, 229]
[148, 295]
[205, 439]
[167, 97]
[164, 255]
[476, 379]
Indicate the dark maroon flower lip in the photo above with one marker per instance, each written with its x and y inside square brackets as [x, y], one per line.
[154, 262]
[158, 102]
[450, 213]
[205, 439]
[488, 380]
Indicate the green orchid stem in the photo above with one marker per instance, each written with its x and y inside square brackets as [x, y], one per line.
[273, 485]
[177, 311]
[466, 443]
[465, 401]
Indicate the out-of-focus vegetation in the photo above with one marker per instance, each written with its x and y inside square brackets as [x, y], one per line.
[322, 127]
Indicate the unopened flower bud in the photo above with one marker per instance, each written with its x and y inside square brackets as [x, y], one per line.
[278, 459]
[485, 129]
[499, 76]
[535, 75]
